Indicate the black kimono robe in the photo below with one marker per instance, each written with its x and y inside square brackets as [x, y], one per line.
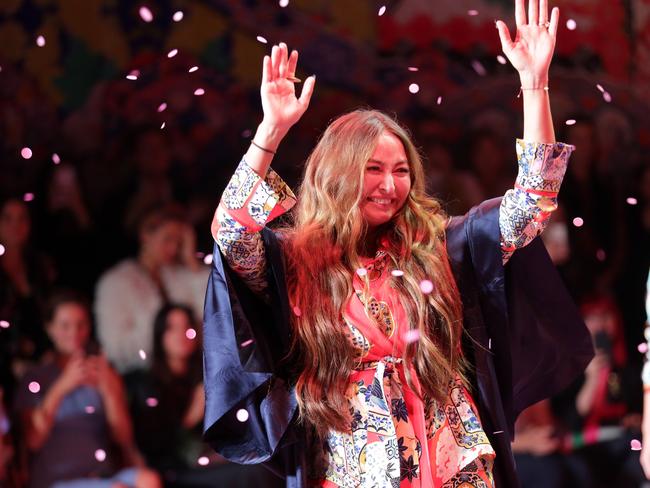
[525, 340]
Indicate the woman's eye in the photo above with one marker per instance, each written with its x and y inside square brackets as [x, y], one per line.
[403, 170]
[372, 168]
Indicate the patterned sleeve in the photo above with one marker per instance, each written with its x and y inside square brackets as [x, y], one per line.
[526, 209]
[248, 203]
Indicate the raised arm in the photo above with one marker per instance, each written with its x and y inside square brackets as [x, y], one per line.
[255, 194]
[526, 209]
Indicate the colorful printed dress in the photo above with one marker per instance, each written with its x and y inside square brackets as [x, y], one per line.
[395, 439]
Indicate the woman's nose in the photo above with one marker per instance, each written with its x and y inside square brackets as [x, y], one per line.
[387, 184]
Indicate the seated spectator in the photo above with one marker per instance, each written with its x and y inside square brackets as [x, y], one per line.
[74, 411]
[129, 294]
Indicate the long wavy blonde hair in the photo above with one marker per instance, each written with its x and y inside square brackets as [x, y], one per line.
[324, 248]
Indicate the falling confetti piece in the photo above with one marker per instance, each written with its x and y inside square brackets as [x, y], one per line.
[193, 69]
[479, 68]
[246, 133]
[26, 153]
[172, 53]
[242, 415]
[501, 59]
[55, 158]
[40, 41]
[162, 126]
[643, 347]
[262, 40]
[571, 122]
[578, 222]
[439, 101]
[199, 91]
[34, 387]
[89, 409]
[631, 201]
[490, 343]
[362, 272]
[190, 334]
[635, 445]
[28, 197]
[426, 286]
[178, 16]
[3, 323]
[414, 88]
[151, 402]
[133, 75]
[498, 432]
[382, 10]
[100, 455]
[203, 461]
[296, 311]
[208, 259]
[600, 255]
[600, 88]
[472, 13]
[247, 343]
[397, 273]
[571, 24]
[411, 336]
[413, 68]
[143, 355]
[607, 97]
[145, 14]
[162, 107]
[283, 3]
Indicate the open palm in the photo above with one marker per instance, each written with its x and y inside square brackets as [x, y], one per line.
[532, 49]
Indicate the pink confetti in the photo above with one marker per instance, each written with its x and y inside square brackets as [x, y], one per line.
[172, 53]
[283, 3]
[262, 40]
[607, 97]
[199, 91]
[490, 343]
[56, 159]
[26, 153]
[643, 347]
[162, 126]
[28, 197]
[578, 222]
[414, 88]
[133, 75]
[571, 122]
[3, 323]
[100, 455]
[600, 255]
[479, 68]
[382, 10]
[242, 415]
[571, 24]
[472, 13]
[193, 69]
[145, 14]
[40, 41]
[635, 445]
[501, 59]
[208, 259]
[411, 336]
[426, 286]
[89, 409]
[296, 311]
[631, 201]
[151, 402]
[178, 16]
[439, 101]
[162, 107]
[190, 334]
[413, 68]
[143, 355]
[34, 387]
[246, 343]
[362, 272]
[397, 273]
[600, 88]
[203, 461]
[246, 133]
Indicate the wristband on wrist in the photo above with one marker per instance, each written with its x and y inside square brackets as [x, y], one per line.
[262, 148]
[522, 89]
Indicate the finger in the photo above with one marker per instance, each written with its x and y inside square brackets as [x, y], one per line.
[307, 90]
[520, 13]
[283, 60]
[533, 12]
[543, 12]
[555, 20]
[504, 34]
[275, 63]
[293, 62]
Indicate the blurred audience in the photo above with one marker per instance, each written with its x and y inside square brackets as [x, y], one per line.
[129, 294]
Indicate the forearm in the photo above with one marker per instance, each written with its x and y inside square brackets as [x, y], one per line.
[538, 121]
[41, 419]
[269, 138]
[118, 419]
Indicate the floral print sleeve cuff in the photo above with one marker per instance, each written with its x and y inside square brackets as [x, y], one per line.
[248, 203]
[526, 209]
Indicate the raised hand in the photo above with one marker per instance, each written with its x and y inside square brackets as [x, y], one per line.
[282, 108]
[532, 49]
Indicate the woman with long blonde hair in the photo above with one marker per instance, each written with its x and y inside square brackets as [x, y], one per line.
[373, 340]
